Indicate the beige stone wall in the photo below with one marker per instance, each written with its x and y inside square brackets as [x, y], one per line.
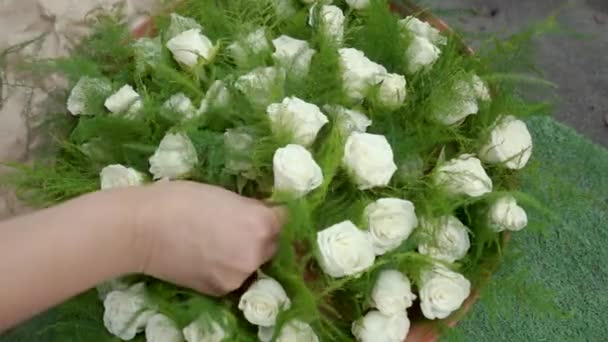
[53, 24]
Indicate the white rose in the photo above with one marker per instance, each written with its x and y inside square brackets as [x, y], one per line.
[448, 239]
[349, 120]
[86, 91]
[392, 293]
[358, 4]
[304, 120]
[180, 104]
[262, 85]
[421, 54]
[238, 141]
[293, 331]
[198, 331]
[505, 214]
[125, 100]
[298, 331]
[390, 222]
[190, 46]
[464, 176]
[147, 52]
[482, 92]
[391, 90]
[126, 312]
[369, 159]
[330, 20]
[284, 9]
[175, 157]
[263, 301]
[239, 146]
[358, 73]
[442, 292]
[161, 328]
[510, 143]
[135, 110]
[93, 150]
[295, 170]
[217, 96]
[118, 176]
[179, 24]
[411, 169]
[463, 104]
[293, 54]
[344, 250]
[109, 286]
[423, 29]
[265, 334]
[254, 44]
[376, 327]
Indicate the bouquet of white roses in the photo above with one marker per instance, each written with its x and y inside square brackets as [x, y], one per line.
[394, 151]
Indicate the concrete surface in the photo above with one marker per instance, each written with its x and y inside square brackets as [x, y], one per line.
[54, 25]
[579, 66]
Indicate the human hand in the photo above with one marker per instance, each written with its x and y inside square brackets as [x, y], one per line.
[203, 237]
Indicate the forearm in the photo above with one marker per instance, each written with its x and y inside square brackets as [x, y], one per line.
[54, 254]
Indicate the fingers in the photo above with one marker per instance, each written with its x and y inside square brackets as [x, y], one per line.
[209, 289]
[217, 284]
[281, 215]
[269, 252]
[230, 279]
[275, 218]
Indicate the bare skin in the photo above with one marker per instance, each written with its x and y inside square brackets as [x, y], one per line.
[194, 235]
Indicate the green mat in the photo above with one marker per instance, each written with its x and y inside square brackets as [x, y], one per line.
[570, 176]
[570, 257]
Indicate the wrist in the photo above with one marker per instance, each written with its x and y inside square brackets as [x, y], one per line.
[127, 239]
[140, 222]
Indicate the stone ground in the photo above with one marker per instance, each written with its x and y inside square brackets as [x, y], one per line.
[49, 23]
[578, 65]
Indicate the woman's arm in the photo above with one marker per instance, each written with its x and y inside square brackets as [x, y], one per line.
[51, 255]
[195, 235]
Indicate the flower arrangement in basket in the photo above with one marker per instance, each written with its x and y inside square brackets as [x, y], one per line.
[394, 150]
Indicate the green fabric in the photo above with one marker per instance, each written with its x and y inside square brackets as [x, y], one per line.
[570, 176]
[569, 257]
